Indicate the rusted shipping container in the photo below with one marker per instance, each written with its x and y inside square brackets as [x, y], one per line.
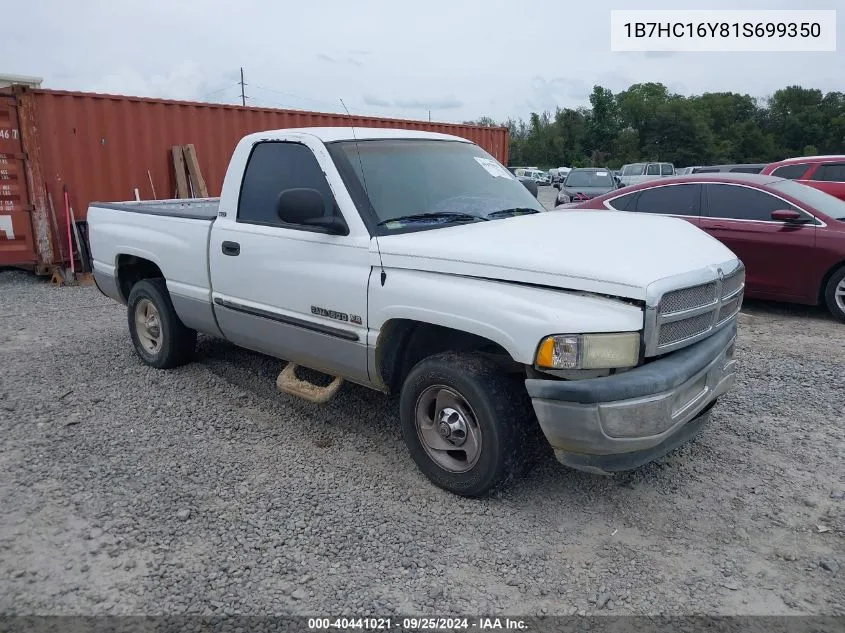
[103, 147]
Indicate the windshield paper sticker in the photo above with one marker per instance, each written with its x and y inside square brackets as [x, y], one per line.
[493, 168]
[601, 173]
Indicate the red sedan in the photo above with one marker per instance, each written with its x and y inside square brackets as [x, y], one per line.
[822, 172]
[791, 237]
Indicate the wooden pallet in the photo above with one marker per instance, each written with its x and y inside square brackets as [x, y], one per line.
[189, 180]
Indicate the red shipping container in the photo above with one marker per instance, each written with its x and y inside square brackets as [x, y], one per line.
[103, 147]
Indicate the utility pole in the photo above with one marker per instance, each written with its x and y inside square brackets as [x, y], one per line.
[429, 116]
[243, 96]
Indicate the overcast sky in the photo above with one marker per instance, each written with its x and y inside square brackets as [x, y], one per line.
[460, 59]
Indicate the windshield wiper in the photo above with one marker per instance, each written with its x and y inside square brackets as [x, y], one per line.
[506, 213]
[443, 216]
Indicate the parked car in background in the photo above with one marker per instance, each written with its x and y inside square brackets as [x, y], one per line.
[636, 173]
[532, 173]
[746, 168]
[544, 179]
[585, 183]
[826, 173]
[553, 174]
[562, 172]
[790, 237]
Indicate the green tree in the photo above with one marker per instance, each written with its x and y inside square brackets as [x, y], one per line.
[602, 122]
[647, 122]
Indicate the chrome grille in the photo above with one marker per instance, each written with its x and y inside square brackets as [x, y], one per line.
[729, 308]
[730, 285]
[677, 331]
[687, 298]
[683, 316]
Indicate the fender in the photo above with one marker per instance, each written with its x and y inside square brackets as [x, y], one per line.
[514, 316]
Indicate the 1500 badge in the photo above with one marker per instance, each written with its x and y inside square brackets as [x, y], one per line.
[338, 316]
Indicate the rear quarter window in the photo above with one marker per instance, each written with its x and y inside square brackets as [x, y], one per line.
[622, 202]
[791, 172]
[830, 172]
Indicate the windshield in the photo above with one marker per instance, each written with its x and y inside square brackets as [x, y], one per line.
[637, 169]
[588, 179]
[819, 200]
[411, 177]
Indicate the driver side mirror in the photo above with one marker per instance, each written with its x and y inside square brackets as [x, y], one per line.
[789, 216]
[308, 207]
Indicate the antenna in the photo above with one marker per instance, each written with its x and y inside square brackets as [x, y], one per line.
[364, 182]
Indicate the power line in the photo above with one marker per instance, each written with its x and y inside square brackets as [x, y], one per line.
[214, 92]
[295, 96]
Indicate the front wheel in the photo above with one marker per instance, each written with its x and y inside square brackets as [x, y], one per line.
[834, 295]
[159, 336]
[467, 424]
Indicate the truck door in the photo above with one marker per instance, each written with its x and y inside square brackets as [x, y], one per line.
[292, 291]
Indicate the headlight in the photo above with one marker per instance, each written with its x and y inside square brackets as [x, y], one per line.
[563, 198]
[589, 351]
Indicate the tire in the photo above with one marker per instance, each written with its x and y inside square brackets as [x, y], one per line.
[175, 342]
[834, 294]
[489, 404]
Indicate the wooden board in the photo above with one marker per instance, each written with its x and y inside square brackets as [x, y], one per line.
[179, 169]
[197, 181]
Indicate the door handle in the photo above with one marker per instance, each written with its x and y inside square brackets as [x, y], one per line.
[231, 248]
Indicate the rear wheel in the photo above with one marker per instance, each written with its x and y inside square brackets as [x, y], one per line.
[466, 424]
[834, 294]
[160, 338]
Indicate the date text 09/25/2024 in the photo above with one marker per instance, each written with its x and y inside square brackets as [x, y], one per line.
[416, 624]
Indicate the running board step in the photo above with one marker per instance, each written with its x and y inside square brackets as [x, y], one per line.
[288, 383]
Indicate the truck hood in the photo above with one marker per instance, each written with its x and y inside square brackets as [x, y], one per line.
[607, 252]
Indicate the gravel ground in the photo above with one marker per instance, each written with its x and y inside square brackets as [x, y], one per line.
[127, 490]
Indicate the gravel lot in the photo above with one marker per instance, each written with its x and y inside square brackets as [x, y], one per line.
[202, 490]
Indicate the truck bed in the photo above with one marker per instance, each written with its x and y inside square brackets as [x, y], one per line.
[172, 234]
[194, 208]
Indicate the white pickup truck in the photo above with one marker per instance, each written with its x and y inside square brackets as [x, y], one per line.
[415, 263]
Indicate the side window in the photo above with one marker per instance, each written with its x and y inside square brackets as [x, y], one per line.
[623, 202]
[667, 170]
[272, 168]
[830, 172]
[669, 200]
[745, 170]
[742, 203]
[791, 172]
[653, 170]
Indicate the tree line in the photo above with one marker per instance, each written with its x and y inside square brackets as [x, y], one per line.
[648, 123]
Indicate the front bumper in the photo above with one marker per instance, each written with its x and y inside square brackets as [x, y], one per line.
[626, 420]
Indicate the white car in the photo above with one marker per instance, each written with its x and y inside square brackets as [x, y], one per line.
[636, 173]
[415, 263]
